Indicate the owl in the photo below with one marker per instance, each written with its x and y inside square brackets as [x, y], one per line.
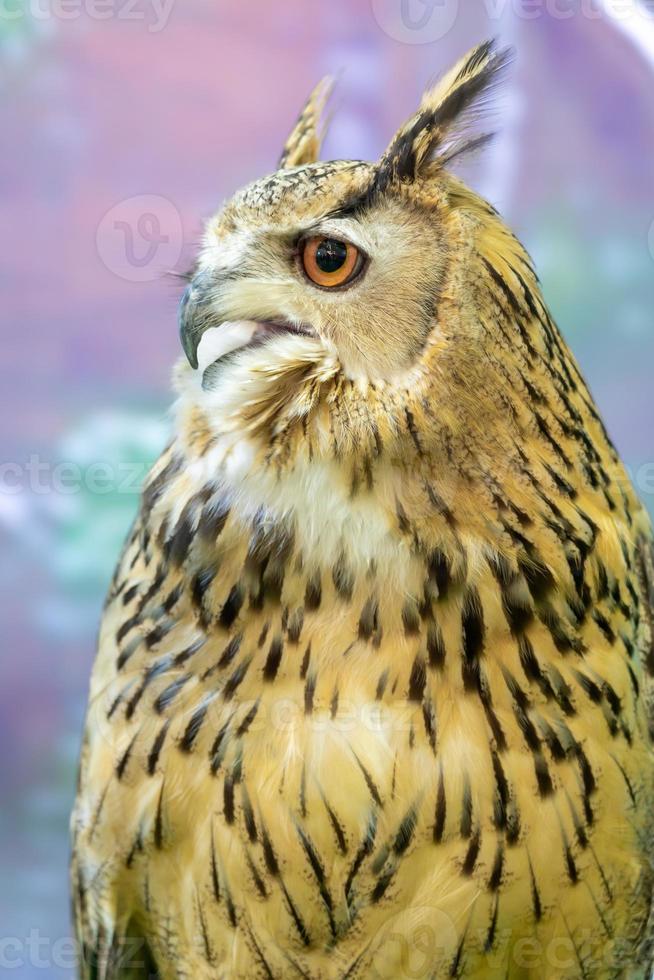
[373, 693]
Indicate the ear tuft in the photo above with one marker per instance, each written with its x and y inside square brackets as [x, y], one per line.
[441, 129]
[303, 145]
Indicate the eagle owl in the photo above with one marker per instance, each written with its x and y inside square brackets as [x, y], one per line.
[374, 683]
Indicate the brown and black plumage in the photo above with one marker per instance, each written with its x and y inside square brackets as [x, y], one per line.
[373, 695]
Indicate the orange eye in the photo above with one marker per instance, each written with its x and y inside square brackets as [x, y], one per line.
[329, 262]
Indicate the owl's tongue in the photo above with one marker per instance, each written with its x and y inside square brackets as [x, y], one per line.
[232, 335]
[221, 340]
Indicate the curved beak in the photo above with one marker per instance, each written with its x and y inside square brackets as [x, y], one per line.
[196, 314]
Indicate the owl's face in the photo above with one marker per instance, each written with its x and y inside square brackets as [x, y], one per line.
[341, 298]
[311, 255]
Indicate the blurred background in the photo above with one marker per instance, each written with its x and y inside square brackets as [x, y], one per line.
[125, 123]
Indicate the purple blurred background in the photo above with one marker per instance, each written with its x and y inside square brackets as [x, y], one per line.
[124, 127]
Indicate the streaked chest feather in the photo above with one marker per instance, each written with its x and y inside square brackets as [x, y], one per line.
[330, 727]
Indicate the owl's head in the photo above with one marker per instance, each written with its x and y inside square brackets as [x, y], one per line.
[329, 292]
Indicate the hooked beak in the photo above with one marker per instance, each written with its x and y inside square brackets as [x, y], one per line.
[200, 309]
[195, 315]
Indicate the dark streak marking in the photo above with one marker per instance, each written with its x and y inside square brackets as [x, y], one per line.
[440, 506]
[256, 877]
[124, 759]
[369, 619]
[313, 593]
[604, 626]
[304, 666]
[410, 618]
[439, 571]
[465, 825]
[535, 895]
[273, 659]
[627, 781]
[495, 879]
[435, 646]
[403, 521]
[382, 683]
[413, 431]
[472, 853]
[157, 634]
[337, 828]
[543, 778]
[260, 956]
[382, 884]
[343, 579]
[491, 717]
[318, 869]
[372, 788]
[439, 818]
[571, 867]
[247, 721]
[199, 587]
[492, 928]
[429, 718]
[228, 800]
[236, 678]
[157, 746]
[167, 696]
[540, 580]
[405, 831]
[130, 593]
[297, 919]
[417, 680]
[364, 851]
[269, 855]
[232, 606]
[215, 882]
[193, 728]
[552, 741]
[501, 801]
[126, 627]
[212, 521]
[295, 623]
[218, 748]
[473, 631]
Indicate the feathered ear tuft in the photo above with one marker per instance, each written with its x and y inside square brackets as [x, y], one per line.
[440, 130]
[303, 145]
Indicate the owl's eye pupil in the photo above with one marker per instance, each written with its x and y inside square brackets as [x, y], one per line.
[329, 262]
[331, 255]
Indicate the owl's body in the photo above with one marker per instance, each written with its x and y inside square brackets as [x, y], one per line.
[373, 692]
